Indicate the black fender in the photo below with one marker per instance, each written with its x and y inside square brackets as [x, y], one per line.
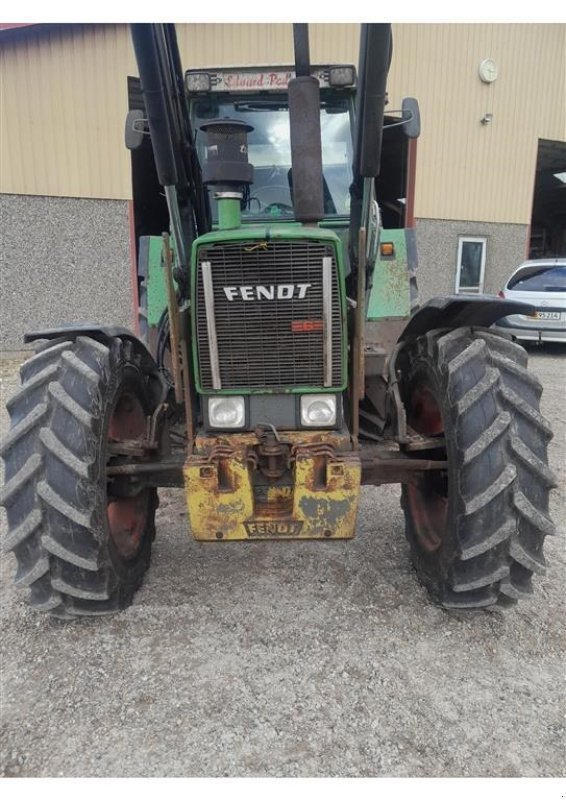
[448, 312]
[105, 334]
[102, 333]
[458, 311]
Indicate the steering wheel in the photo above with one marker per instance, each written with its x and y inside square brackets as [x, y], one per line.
[283, 208]
[268, 198]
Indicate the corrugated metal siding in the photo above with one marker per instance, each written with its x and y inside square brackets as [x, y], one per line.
[466, 170]
[64, 96]
[64, 99]
[226, 45]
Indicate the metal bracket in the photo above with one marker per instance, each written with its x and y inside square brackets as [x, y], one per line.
[394, 393]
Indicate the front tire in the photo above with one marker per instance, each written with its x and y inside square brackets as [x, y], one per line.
[476, 531]
[78, 549]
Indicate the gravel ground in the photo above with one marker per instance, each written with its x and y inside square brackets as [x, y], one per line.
[300, 659]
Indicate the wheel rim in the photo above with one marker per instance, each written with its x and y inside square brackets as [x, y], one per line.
[428, 499]
[127, 516]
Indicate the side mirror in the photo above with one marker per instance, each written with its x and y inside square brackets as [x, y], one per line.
[411, 116]
[135, 129]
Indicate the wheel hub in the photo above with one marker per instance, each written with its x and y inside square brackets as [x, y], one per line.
[428, 499]
[127, 516]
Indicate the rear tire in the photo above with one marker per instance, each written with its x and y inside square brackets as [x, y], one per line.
[76, 551]
[476, 531]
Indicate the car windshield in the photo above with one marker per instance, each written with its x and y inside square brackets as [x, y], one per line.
[269, 151]
[539, 279]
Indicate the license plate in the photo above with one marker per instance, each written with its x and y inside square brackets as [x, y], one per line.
[547, 315]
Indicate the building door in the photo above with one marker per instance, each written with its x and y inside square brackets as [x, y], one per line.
[548, 222]
[470, 266]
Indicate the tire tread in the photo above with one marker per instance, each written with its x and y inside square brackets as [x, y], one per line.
[501, 473]
[54, 524]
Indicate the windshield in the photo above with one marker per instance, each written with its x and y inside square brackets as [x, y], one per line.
[269, 151]
[539, 279]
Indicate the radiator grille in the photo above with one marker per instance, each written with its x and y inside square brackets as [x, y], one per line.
[257, 346]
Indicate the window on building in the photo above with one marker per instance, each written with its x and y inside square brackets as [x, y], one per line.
[470, 267]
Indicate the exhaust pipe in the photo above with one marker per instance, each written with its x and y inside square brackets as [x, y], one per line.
[306, 148]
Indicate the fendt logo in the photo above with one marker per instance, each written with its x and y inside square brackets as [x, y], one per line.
[284, 291]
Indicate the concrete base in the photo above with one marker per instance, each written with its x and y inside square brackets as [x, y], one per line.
[68, 260]
[437, 245]
[63, 260]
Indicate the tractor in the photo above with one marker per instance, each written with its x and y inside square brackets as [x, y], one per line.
[283, 360]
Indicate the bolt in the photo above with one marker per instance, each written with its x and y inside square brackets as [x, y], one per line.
[219, 535]
[327, 533]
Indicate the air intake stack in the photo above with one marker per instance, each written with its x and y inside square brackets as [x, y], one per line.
[226, 167]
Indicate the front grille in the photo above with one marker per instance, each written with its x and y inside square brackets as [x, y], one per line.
[257, 346]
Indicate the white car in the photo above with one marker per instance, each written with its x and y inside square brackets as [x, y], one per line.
[542, 283]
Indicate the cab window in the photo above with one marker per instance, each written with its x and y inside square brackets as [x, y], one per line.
[269, 151]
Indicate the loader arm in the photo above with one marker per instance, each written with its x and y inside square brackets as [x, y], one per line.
[172, 138]
[374, 60]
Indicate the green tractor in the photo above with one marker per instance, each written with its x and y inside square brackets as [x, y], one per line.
[285, 362]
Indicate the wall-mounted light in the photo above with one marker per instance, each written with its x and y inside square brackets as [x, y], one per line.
[486, 119]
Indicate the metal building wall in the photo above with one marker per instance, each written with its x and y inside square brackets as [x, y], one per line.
[64, 98]
[225, 45]
[467, 170]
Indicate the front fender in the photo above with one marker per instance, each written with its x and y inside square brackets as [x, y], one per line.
[96, 331]
[105, 334]
[457, 311]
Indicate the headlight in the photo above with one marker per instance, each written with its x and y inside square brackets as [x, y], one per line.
[318, 410]
[226, 412]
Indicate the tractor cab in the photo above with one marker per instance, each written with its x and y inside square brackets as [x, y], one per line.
[258, 98]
